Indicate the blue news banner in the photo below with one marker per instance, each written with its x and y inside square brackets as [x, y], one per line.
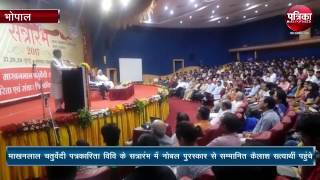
[154, 156]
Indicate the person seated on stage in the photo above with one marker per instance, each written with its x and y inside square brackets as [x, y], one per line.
[181, 116]
[187, 135]
[150, 172]
[61, 172]
[230, 125]
[225, 108]
[159, 129]
[111, 134]
[269, 117]
[103, 83]
[203, 119]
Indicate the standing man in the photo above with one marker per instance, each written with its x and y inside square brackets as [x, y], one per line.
[56, 67]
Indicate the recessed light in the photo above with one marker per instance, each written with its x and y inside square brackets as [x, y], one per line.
[191, 1]
[181, 22]
[219, 21]
[248, 4]
[266, 5]
[195, 5]
[106, 5]
[244, 17]
[171, 12]
[256, 11]
[218, 6]
[213, 11]
[190, 17]
[227, 17]
[211, 16]
[290, 4]
[166, 8]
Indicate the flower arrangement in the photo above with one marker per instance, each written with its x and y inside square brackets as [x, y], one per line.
[84, 118]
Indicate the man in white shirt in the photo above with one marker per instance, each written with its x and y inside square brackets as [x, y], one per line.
[216, 93]
[103, 82]
[237, 102]
[56, 67]
[215, 117]
[311, 77]
[181, 87]
[273, 76]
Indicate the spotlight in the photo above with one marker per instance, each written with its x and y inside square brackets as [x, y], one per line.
[266, 5]
[227, 17]
[190, 17]
[213, 11]
[171, 12]
[195, 5]
[290, 4]
[248, 4]
[106, 5]
[256, 11]
[125, 2]
[219, 22]
[181, 22]
[218, 6]
[244, 17]
[166, 8]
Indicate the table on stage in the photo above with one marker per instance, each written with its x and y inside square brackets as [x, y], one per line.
[121, 93]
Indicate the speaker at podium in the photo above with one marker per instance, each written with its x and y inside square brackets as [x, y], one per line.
[74, 84]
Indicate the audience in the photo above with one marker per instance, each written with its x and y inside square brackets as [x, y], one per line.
[61, 172]
[203, 119]
[150, 172]
[269, 117]
[111, 134]
[181, 117]
[187, 135]
[225, 108]
[159, 129]
[230, 124]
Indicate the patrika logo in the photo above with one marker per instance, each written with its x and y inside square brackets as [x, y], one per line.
[299, 18]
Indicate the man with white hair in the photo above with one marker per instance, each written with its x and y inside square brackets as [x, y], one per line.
[237, 102]
[158, 129]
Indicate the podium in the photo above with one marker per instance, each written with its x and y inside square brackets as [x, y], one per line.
[74, 84]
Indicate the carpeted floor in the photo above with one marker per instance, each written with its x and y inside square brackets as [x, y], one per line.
[178, 105]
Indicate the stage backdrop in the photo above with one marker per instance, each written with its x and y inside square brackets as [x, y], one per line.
[24, 45]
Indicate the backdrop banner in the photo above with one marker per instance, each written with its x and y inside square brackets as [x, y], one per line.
[26, 53]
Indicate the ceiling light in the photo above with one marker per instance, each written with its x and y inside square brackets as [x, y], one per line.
[227, 17]
[166, 8]
[218, 6]
[256, 11]
[191, 1]
[181, 22]
[202, 8]
[290, 4]
[106, 5]
[195, 5]
[244, 17]
[211, 16]
[125, 3]
[219, 21]
[171, 12]
[213, 11]
[248, 4]
[266, 5]
[214, 19]
[190, 17]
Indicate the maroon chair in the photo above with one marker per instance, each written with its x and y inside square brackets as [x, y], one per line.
[209, 135]
[287, 123]
[278, 134]
[281, 178]
[293, 115]
[206, 177]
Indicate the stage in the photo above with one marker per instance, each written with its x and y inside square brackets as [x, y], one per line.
[32, 110]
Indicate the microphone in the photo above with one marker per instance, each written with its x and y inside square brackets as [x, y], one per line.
[33, 66]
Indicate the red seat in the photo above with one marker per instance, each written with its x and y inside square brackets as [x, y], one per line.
[293, 115]
[282, 178]
[209, 135]
[287, 122]
[276, 136]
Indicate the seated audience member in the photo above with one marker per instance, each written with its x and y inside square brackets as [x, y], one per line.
[281, 102]
[216, 93]
[301, 88]
[150, 172]
[230, 125]
[251, 120]
[237, 102]
[61, 172]
[255, 88]
[198, 95]
[158, 129]
[311, 77]
[292, 88]
[225, 108]
[284, 84]
[103, 83]
[191, 89]
[203, 119]
[312, 94]
[308, 125]
[269, 117]
[181, 116]
[187, 135]
[111, 134]
[317, 80]
[181, 87]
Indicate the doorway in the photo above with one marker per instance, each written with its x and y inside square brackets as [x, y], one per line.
[112, 74]
[177, 64]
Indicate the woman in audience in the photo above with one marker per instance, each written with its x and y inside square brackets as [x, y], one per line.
[181, 116]
[292, 88]
[301, 87]
[312, 95]
[111, 134]
[284, 84]
[281, 101]
[187, 135]
[230, 125]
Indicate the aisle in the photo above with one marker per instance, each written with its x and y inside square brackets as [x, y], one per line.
[177, 105]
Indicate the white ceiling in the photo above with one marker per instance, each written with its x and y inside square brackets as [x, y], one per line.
[218, 13]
